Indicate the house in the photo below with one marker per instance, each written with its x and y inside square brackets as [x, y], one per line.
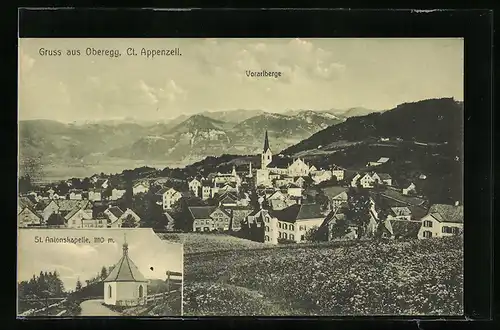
[46, 209]
[168, 197]
[75, 194]
[442, 220]
[385, 179]
[394, 228]
[206, 190]
[100, 222]
[367, 181]
[337, 195]
[283, 181]
[320, 176]
[95, 195]
[338, 172]
[200, 216]
[102, 183]
[221, 218]
[355, 180]
[382, 160]
[75, 217]
[331, 221]
[399, 213]
[298, 168]
[239, 215]
[125, 285]
[300, 181]
[291, 223]
[262, 178]
[27, 217]
[410, 189]
[228, 199]
[277, 195]
[294, 190]
[116, 194]
[140, 188]
[277, 204]
[127, 214]
[195, 186]
[113, 213]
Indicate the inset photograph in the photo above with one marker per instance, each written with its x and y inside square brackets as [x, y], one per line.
[113, 272]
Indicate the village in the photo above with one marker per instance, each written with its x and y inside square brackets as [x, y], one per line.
[280, 202]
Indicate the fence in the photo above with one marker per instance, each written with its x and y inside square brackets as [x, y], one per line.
[34, 311]
[147, 299]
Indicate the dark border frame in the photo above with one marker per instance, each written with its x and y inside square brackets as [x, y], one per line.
[475, 26]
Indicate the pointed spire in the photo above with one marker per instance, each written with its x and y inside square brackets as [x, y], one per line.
[266, 142]
[125, 245]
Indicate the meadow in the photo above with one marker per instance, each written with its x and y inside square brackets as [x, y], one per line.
[414, 277]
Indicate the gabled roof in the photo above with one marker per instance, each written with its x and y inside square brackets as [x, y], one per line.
[68, 204]
[403, 228]
[447, 213]
[116, 211]
[228, 197]
[125, 270]
[400, 211]
[334, 191]
[382, 160]
[226, 212]
[163, 190]
[384, 176]
[298, 212]
[201, 212]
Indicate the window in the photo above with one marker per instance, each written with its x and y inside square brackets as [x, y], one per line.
[428, 223]
[292, 227]
[302, 237]
[285, 226]
[455, 230]
[109, 291]
[279, 234]
[427, 234]
[267, 228]
[141, 291]
[267, 238]
[446, 230]
[285, 236]
[198, 229]
[206, 229]
[279, 224]
[292, 237]
[74, 222]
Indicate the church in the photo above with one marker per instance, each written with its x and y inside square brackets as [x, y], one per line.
[125, 285]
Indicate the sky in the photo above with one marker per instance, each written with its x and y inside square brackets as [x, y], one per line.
[317, 74]
[84, 261]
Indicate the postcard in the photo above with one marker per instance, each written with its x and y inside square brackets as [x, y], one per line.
[88, 272]
[303, 177]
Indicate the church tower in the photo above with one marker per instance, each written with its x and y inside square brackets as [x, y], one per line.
[267, 155]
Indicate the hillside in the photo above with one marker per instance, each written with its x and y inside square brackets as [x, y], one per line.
[436, 120]
[184, 139]
[418, 277]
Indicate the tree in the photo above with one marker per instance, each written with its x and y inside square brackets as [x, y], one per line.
[129, 222]
[78, 285]
[55, 219]
[62, 188]
[339, 229]
[358, 208]
[104, 273]
[317, 234]
[25, 185]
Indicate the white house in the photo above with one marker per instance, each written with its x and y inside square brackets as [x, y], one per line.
[116, 194]
[442, 220]
[411, 188]
[168, 196]
[119, 222]
[355, 180]
[195, 187]
[298, 168]
[95, 195]
[337, 196]
[399, 213]
[75, 217]
[367, 181]
[338, 172]
[291, 223]
[262, 178]
[75, 195]
[206, 190]
[320, 176]
[140, 187]
[294, 190]
[125, 285]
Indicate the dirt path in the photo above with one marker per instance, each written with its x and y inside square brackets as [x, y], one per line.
[94, 307]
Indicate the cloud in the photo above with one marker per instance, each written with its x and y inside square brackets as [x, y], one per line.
[148, 93]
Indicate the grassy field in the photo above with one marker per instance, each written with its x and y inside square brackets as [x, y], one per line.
[201, 243]
[347, 278]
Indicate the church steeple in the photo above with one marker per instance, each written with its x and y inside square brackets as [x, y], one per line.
[125, 246]
[266, 143]
[266, 156]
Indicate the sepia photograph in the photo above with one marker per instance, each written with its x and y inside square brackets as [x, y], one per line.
[303, 177]
[120, 272]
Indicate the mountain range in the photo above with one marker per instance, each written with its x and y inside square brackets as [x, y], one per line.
[182, 139]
